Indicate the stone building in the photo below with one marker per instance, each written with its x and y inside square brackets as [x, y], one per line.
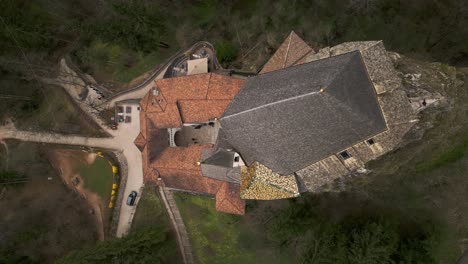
[308, 118]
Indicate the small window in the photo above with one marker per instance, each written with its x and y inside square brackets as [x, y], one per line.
[128, 109]
[370, 141]
[138, 108]
[345, 155]
[236, 159]
[155, 91]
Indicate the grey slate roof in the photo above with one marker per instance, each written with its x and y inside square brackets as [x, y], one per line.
[291, 118]
[218, 165]
[221, 158]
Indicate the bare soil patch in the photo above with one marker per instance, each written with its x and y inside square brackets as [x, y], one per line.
[65, 161]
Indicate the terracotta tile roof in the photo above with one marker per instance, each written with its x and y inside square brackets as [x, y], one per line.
[201, 110]
[289, 52]
[151, 176]
[140, 141]
[260, 183]
[181, 158]
[224, 87]
[144, 102]
[184, 87]
[144, 159]
[168, 119]
[196, 98]
[228, 199]
[160, 103]
[143, 121]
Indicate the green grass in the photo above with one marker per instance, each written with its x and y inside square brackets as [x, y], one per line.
[225, 238]
[150, 215]
[453, 154]
[97, 177]
[112, 62]
[214, 236]
[144, 63]
[150, 211]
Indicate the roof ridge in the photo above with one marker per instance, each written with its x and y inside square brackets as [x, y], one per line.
[209, 86]
[226, 189]
[375, 43]
[273, 103]
[301, 57]
[184, 100]
[287, 49]
[149, 97]
[346, 65]
[299, 65]
[233, 205]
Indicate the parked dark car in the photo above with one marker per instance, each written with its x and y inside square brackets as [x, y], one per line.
[131, 198]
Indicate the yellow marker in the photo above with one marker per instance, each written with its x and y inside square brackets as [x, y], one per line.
[114, 186]
[112, 198]
[111, 204]
[113, 193]
[115, 169]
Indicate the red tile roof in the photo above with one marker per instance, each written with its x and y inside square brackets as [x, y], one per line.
[151, 176]
[178, 169]
[140, 141]
[224, 87]
[160, 103]
[170, 118]
[145, 160]
[193, 111]
[195, 98]
[182, 158]
[228, 199]
[291, 50]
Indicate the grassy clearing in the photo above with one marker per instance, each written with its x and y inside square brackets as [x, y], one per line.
[150, 211]
[214, 236]
[224, 238]
[109, 62]
[457, 152]
[98, 176]
[144, 63]
[151, 215]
